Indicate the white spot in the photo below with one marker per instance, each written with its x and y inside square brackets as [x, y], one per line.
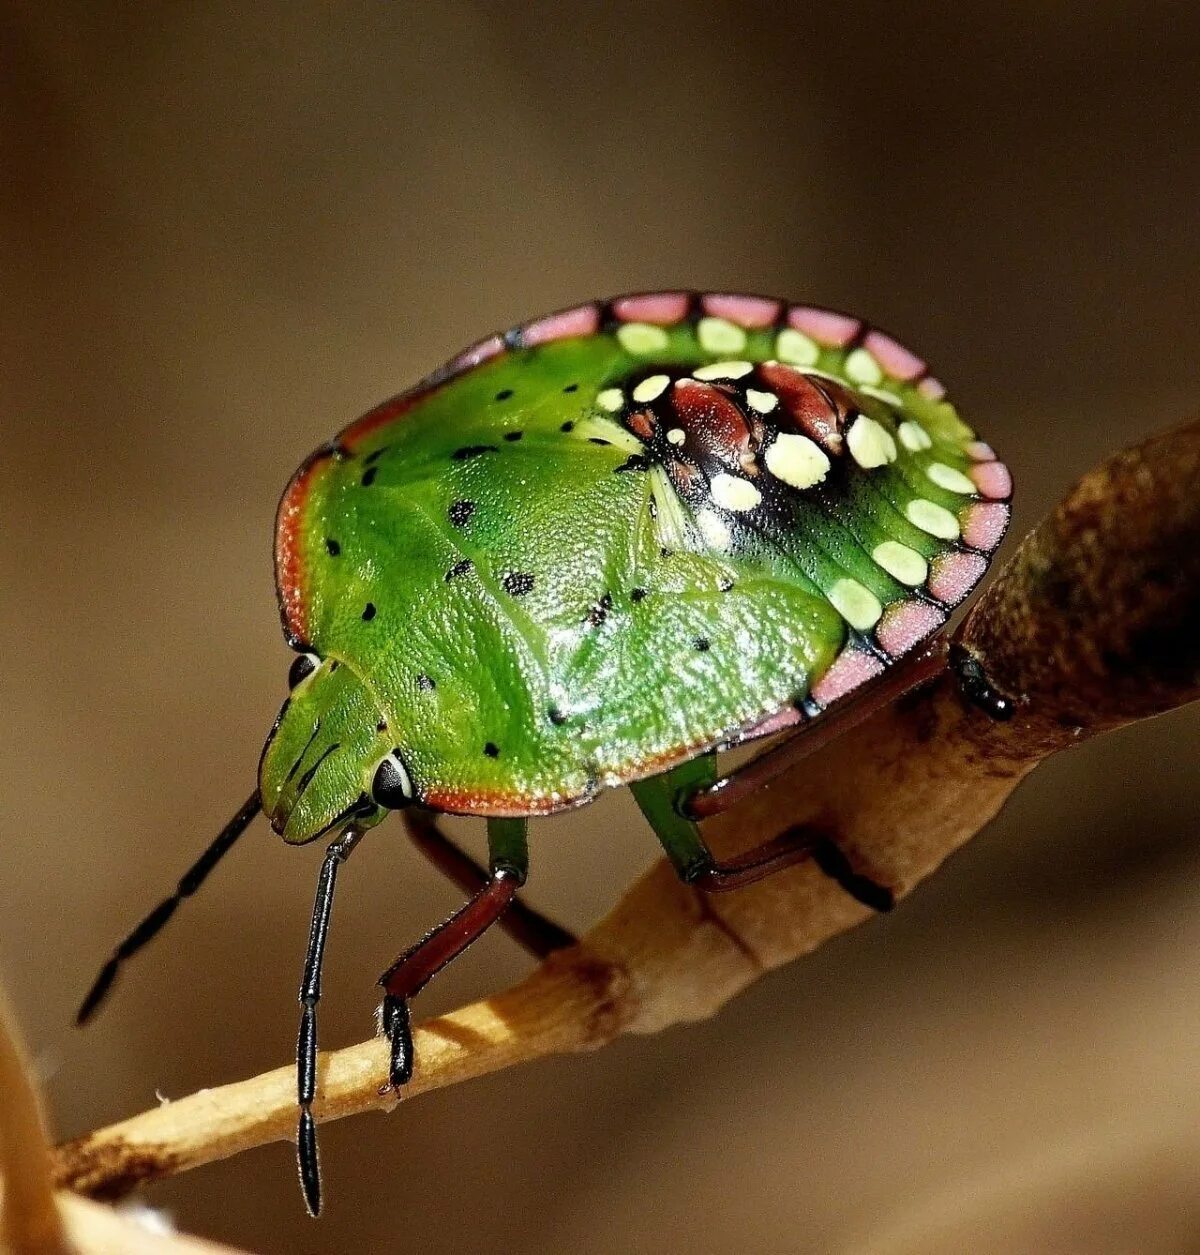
[901, 562]
[862, 367]
[734, 493]
[796, 348]
[763, 402]
[714, 529]
[913, 436]
[870, 444]
[932, 518]
[884, 394]
[642, 338]
[650, 388]
[611, 399]
[723, 370]
[676, 435]
[718, 335]
[797, 460]
[856, 604]
[948, 478]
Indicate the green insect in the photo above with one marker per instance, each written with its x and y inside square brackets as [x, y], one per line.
[593, 551]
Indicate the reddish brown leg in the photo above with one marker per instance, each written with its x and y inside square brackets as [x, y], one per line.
[509, 858]
[528, 927]
[749, 778]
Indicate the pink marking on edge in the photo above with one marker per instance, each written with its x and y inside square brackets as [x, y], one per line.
[778, 722]
[481, 351]
[953, 575]
[992, 479]
[663, 309]
[984, 524]
[905, 624]
[850, 668]
[746, 311]
[980, 451]
[581, 321]
[826, 327]
[932, 389]
[896, 360]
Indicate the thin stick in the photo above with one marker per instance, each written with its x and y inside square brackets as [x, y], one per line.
[29, 1223]
[1092, 625]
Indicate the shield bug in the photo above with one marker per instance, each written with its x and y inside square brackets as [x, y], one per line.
[593, 551]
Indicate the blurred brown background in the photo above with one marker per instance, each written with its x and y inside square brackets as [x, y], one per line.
[226, 230]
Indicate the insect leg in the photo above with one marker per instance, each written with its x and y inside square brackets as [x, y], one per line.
[310, 995]
[508, 855]
[976, 688]
[528, 927]
[191, 880]
[661, 800]
[719, 795]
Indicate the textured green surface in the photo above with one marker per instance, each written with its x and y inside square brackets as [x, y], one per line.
[538, 674]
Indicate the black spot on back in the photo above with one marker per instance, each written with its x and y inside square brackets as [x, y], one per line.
[504, 394]
[571, 387]
[332, 548]
[556, 716]
[425, 683]
[513, 436]
[369, 476]
[460, 512]
[459, 568]
[598, 440]
[368, 612]
[518, 583]
[637, 594]
[635, 462]
[469, 451]
[701, 643]
[492, 750]
[372, 458]
[567, 426]
[599, 612]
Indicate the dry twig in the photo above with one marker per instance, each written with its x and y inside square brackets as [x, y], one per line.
[1093, 624]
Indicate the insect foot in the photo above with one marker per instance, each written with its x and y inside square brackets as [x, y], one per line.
[976, 688]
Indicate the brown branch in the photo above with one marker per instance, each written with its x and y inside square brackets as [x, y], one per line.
[34, 1219]
[1093, 624]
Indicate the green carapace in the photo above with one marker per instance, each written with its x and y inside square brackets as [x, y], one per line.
[593, 551]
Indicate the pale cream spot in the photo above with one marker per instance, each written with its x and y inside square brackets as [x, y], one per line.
[797, 460]
[901, 562]
[763, 402]
[913, 436]
[870, 444]
[795, 348]
[932, 518]
[611, 399]
[718, 335]
[642, 338]
[733, 493]
[948, 478]
[884, 394]
[676, 435]
[650, 388]
[714, 529]
[862, 367]
[723, 370]
[856, 604]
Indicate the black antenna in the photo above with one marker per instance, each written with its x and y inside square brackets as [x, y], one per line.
[310, 994]
[192, 879]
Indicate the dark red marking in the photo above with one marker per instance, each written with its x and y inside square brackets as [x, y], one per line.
[818, 407]
[715, 426]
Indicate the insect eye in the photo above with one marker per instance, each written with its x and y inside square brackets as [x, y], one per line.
[302, 668]
[392, 788]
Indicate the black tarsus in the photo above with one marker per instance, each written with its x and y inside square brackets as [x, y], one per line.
[191, 880]
[977, 688]
[310, 994]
